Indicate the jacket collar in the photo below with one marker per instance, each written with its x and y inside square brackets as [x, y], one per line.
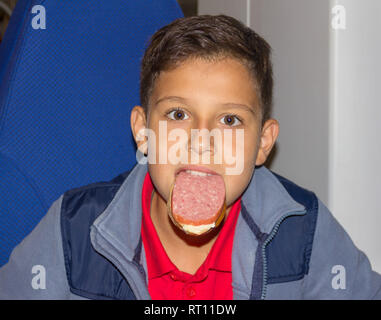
[120, 223]
[264, 203]
[265, 199]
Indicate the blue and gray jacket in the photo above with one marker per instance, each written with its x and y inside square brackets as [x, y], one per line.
[287, 245]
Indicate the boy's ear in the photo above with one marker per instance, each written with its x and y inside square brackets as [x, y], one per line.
[138, 122]
[269, 134]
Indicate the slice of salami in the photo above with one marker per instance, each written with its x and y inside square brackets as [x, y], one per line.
[197, 202]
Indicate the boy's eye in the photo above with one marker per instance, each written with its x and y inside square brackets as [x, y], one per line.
[177, 114]
[230, 120]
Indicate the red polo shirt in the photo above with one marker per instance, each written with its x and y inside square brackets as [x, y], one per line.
[166, 282]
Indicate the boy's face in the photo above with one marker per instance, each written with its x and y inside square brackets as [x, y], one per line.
[217, 96]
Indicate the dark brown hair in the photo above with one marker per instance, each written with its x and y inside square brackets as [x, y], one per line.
[208, 37]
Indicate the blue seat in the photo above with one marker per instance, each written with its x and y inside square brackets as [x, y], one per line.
[66, 93]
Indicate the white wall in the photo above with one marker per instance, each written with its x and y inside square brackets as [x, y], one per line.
[326, 100]
[236, 8]
[355, 157]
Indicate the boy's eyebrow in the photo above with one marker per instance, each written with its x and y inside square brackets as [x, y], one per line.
[227, 104]
[174, 98]
[239, 105]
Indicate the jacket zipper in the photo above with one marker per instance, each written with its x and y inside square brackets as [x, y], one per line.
[135, 265]
[266, 242]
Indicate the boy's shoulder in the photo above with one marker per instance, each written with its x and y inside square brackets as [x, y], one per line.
[291, 238]
[299, 193]
[79, 210]
[99, 192]
[116, 181]
[82, 205]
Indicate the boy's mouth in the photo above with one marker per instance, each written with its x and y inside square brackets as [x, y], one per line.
[197, 199]
[196, 171]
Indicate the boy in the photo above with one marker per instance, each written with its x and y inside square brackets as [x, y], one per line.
[115, 240]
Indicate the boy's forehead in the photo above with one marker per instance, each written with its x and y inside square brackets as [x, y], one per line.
[221, 81]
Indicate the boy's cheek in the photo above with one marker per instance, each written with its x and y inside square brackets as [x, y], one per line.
[163, 176]
[236, 185]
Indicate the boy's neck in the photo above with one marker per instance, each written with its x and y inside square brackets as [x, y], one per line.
[185, 251]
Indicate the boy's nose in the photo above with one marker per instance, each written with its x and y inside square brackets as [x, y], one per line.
[200, 140]
[201, 143]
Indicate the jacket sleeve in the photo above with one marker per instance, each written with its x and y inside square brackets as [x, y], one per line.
[338, 269]
[36, 267]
